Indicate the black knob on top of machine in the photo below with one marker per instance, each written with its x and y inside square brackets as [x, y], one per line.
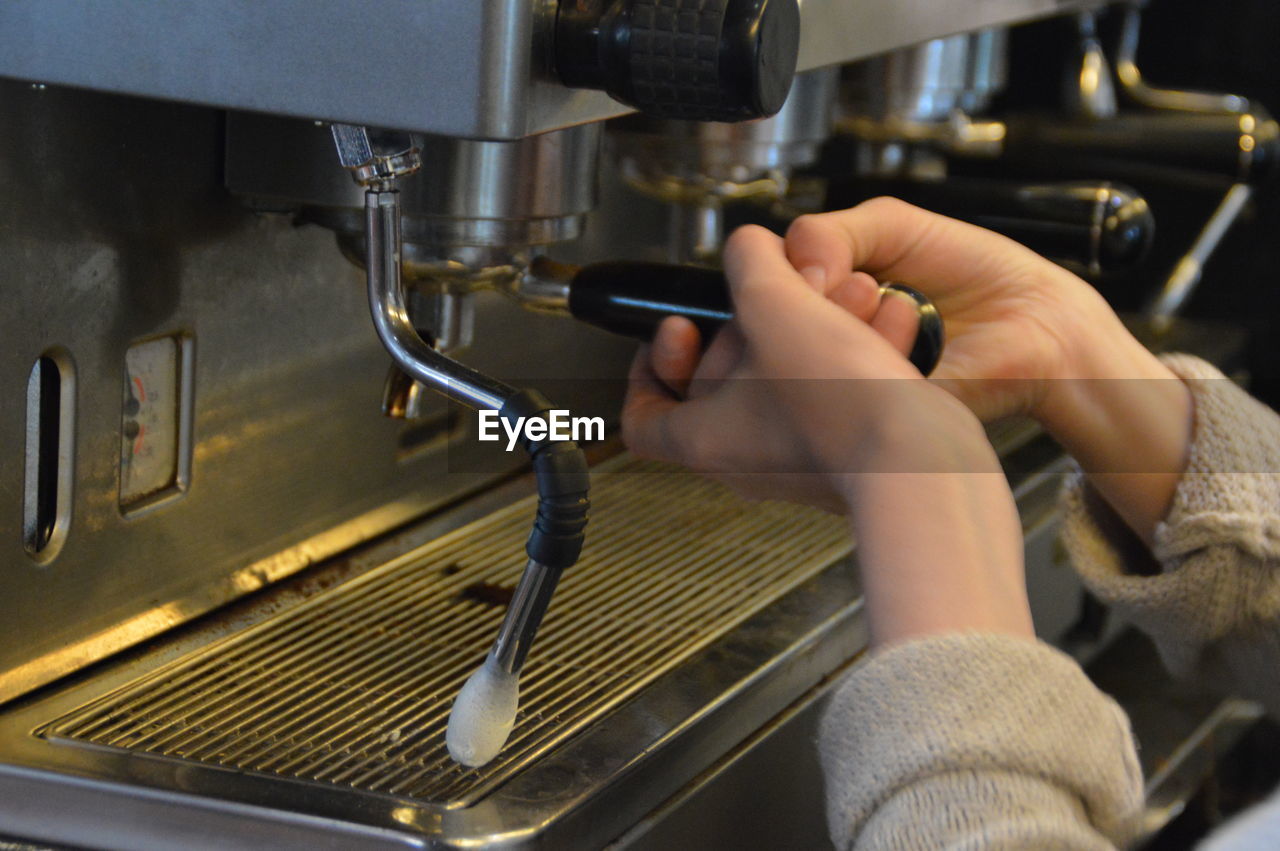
[699, 60]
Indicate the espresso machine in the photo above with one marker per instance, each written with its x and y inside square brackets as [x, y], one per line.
[266, 261]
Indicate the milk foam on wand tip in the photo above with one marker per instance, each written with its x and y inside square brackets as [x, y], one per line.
[482, 715]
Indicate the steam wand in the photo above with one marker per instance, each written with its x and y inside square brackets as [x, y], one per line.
[485, 710]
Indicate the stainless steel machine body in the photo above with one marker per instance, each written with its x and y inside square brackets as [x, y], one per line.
[277, 355]
[416, 65]
[911, 106]
[698, 167]
[930, 81]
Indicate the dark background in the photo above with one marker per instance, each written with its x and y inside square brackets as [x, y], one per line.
[1224, 46]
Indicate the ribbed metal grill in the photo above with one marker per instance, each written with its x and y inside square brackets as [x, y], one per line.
[353, 686]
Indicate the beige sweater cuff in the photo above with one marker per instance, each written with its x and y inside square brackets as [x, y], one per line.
[1230, 493]
[990, 718]
[1216, 590]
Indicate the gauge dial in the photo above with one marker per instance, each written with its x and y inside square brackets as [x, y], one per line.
[149, 421]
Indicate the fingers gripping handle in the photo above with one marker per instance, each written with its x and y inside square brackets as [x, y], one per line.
[632, 299]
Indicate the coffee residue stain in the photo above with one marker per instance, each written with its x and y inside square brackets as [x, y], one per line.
[488, 593]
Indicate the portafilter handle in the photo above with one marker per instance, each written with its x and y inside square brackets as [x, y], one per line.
[1091, 226]
[1241, 147]
[632, 299]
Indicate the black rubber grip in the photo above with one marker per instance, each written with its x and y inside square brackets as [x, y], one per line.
[632, 299]
[700, 60]
[563, 481]
[675, 57]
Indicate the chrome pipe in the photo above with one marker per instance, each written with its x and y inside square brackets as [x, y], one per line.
[1182, 281]
[1157, 98]
[457, 381]
[524, 614]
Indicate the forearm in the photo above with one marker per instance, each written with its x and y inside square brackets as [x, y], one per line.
[1127, 419]
[941, 550]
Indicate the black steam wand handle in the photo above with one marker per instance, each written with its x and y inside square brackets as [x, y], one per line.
[632, 298]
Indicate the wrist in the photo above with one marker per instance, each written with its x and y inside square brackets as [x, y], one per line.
[939, 541]
[1112, 395]
[940, 553]
[1096, 350]
[1127, 420]
[944, 439]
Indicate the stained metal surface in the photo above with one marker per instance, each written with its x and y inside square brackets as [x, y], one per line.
[353, 687]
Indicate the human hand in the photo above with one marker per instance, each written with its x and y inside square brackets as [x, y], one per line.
[1015, 322]
[800, 398]
[1024, 337]
[789, 398]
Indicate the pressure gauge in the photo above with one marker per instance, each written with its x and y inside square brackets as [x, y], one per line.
[154, 422]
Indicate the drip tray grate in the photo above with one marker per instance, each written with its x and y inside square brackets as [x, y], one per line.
[353, 686]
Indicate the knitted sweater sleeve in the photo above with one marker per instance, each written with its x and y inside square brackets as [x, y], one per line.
[976, 741]
[1210, 597]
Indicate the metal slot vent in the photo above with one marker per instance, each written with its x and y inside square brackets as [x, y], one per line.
[353, 687]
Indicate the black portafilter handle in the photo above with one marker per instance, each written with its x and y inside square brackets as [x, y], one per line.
[632, 299]
[1243, 148]
[1098, 226]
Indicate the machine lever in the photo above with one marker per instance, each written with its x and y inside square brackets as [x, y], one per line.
[1182, 281]
[632, 299]
[1135, 86]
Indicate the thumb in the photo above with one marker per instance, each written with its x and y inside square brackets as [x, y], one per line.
[767, 290]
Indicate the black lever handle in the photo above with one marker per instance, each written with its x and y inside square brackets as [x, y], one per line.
[1099, 226]
[1241, 147]
[633, 298]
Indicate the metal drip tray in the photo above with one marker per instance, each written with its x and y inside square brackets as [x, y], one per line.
[351, 688]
